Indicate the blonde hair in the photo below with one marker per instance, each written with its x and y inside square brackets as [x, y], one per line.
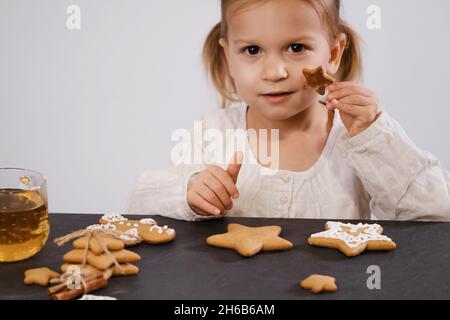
[329, 12]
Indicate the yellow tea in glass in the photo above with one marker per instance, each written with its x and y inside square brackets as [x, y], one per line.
[24, 225]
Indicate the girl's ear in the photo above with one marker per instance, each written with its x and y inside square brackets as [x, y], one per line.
[336, 53]
[223, 43]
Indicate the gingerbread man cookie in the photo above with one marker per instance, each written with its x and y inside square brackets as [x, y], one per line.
[248, 241]
[146, 229]
[129, 238]
[318, 283]
[317, 79]
[352, 239]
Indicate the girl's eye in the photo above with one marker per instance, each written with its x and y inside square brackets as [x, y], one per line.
[297, 47]
[252, 50]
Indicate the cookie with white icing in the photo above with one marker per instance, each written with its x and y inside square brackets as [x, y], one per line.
[147, 229]
[129, 238]
[352, 239]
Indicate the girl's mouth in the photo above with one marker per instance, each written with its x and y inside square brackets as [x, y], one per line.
[277, 97]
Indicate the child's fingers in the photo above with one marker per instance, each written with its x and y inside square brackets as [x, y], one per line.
[200, 205]
[219, 189]
[339, 85]
[346, 108]
[201, 212]
[357, 100]
[206, 193]
[350, 89]
[235, 165]
[226, 180]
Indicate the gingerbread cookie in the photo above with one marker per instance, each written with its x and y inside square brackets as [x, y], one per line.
[318, 283]
[40, 276]
[129, 238]
[317, 79]
[103, 261]
[147, 229]
[248, 241]
[126, 269]
[352, 239]
[65, 267]
[96, 248]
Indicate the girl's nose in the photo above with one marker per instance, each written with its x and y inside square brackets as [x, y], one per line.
[274, 70]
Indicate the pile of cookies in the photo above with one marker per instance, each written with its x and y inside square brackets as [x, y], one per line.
[97, 256]
[99, 253]
[69, 285]
[118, 262]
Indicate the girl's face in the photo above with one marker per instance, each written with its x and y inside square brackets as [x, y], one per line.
[268, 47]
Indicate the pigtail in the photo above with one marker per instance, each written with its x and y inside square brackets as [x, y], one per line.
[351, 67]
[215, 63]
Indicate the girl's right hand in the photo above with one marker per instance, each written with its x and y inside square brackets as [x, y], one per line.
[211, 190]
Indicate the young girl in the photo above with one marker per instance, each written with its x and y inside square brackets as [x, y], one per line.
[345, 160]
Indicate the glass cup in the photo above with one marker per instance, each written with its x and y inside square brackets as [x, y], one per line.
[24, 226]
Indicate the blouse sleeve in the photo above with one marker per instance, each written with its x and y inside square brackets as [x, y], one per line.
[403, 181]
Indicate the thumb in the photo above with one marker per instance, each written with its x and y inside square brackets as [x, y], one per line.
[234, 165]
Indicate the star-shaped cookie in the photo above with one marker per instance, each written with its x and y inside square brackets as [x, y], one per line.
[248, 241]
[352, 239]
[317, 79]
[318, 283]
[40, 276]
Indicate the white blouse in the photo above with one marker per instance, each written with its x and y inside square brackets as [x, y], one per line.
[379, 173]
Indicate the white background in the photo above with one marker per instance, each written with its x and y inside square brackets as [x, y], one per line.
[93, 108]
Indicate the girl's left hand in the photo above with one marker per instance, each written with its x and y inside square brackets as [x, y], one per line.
[358, 107]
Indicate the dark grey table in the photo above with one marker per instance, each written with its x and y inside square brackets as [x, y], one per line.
[189, 269]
